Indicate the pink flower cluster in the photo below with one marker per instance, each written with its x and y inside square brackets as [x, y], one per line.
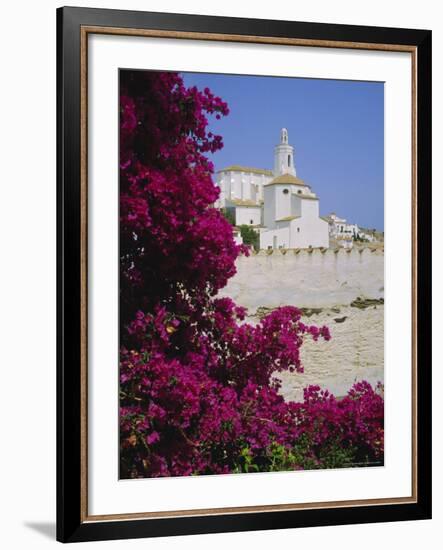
[197, 391]
[199, 388]
[354, 422]
[170, 236]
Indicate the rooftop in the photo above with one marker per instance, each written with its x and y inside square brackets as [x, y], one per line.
[251, 170]
[287, 179]
[287, 218]
[243, 202]
[308, 197]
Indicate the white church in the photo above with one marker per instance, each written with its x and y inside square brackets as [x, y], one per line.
[282, 208]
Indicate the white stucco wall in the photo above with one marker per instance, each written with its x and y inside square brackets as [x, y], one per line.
[278, 204]
[269, 208]
[307, 279]
[236, 189]
[282, 200]
[310, 208]
[309, 232]
[281, 234]
[240, 185]
[245, 214]
[295, 204]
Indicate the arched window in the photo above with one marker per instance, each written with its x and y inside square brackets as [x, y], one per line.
[289, 160]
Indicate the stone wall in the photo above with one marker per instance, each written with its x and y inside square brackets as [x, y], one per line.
[307, 279]
[343, 290]
[355, 352]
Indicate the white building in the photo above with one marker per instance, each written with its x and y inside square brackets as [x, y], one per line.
[241, 183]
[291, 215]
[345, 232]
[281, 206]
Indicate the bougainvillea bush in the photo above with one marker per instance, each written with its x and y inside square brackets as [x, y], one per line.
[198, 392]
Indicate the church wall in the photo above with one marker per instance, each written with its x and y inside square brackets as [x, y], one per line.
[236, 186]
[247, 191]
[295, 205]
[313, 232]
[307, 231]
[282, 234]
[282, 200]
[244, 215]
[241, 185]
[310, 208]
[269, 208]
[223, 184]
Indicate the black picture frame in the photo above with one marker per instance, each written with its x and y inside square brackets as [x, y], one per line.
[72, 526]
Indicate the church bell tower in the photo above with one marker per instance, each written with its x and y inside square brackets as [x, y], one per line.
[284, 156]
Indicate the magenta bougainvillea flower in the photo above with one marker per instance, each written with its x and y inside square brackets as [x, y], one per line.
[198, 393]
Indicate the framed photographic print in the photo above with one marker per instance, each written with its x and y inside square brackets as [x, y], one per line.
[244, 274]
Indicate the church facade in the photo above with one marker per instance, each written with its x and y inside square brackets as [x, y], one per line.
[282, 208]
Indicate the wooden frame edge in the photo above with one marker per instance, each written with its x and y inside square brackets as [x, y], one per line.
[251, 39]
[204, 512]
[84, 273]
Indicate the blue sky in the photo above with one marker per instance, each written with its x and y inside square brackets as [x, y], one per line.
[336, 127]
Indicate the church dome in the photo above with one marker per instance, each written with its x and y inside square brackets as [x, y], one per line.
[287, 179]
